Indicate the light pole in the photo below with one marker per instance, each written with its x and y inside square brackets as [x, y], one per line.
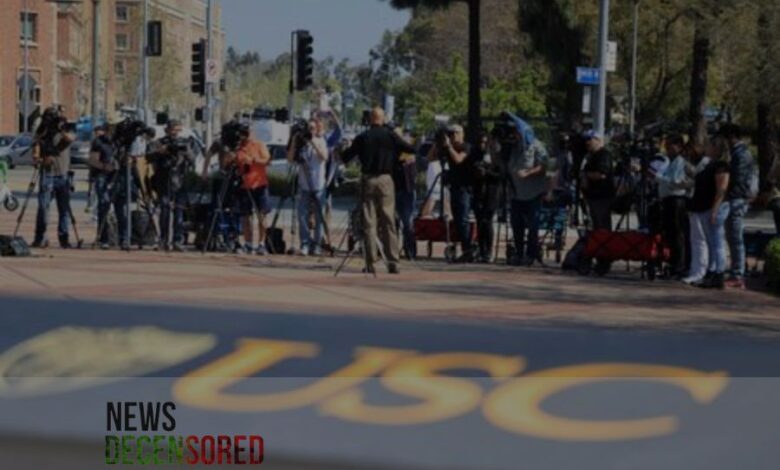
[145, 64]
[601, 106]
[95, 59]
[207, 114]
[635, 46]
[26, 79]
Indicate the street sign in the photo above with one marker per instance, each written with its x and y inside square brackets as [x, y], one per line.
[588, 76]
[212, 71]
[612, 56]
[587, 100]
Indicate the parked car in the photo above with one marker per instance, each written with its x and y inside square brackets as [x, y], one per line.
[16, 150]
[79, 152]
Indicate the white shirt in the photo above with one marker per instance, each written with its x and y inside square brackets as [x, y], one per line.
[315, 164]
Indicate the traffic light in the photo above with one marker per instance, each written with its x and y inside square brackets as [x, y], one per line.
[199, 67]
[305, 76]
[154, 39]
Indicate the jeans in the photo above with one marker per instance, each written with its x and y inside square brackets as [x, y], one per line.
[179, 200]
[774, 206]
[57, 187]
[735, 231]
[716, 241]
[405, 202]
[675, 230]
[525, 219]
[462, 198]
[315, 201]
[106, 195]
[485, 213]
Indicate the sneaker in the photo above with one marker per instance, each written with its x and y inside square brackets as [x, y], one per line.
[735, 283]
[692, 281]
[247, 249]
[65, 245]
[465, 258]
[40, 244]
[316, 251]
[393, 268]
[124, 246]
[105, 246]
[304, 251]
[261, 250]
[178, 248]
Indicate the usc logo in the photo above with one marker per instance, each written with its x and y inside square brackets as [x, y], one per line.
[515, 404]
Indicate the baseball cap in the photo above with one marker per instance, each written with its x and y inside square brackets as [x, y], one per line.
[591, 134]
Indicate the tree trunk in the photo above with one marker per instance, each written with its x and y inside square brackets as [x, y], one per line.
[767, 128]
[475, 72]
[698, 93]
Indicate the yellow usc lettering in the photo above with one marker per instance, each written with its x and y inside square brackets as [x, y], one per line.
[517, 405]
[205, 387]
[440, 397]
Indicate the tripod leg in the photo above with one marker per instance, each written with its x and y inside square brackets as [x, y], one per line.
[30, 191]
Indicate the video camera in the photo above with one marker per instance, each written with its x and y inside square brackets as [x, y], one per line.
[127, 131]
[504, 131]
[233, 133]
[300, 131]
[52, 121]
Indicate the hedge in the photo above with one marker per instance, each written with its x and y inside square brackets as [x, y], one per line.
[773, 265]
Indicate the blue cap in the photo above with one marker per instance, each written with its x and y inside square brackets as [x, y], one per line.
[591, 134]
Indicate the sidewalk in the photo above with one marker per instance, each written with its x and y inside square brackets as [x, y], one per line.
[429, 289]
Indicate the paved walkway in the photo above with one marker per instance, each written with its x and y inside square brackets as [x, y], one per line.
[428, 289]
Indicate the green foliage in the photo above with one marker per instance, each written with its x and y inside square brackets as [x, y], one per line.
[773, 265]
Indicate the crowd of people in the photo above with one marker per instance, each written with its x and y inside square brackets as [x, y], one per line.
[698, 193]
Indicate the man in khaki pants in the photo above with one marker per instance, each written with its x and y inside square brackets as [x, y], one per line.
[378, 149]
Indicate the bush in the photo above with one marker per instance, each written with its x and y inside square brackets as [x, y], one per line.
[773, 265]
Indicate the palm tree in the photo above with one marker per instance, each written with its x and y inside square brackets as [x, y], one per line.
[475, 56]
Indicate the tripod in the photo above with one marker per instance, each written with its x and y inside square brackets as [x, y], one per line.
[356, 232]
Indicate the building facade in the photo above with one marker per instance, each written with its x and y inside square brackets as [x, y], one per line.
[56, 40]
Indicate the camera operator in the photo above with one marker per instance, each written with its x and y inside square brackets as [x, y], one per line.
[528, 173]
[51, 154]
[104, 167]
[378, 149]
[405, 180]
[489, 174]
[251, 160]
[450, 147]
[171, 158]
[310, 151]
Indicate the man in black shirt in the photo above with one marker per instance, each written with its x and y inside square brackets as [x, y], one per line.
[104, 165]
[452, 148]
[378, 149]
[598, 186]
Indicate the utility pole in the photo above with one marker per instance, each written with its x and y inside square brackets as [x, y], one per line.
[145, 64]
[291, 95]
[635, 46]
[95, 59]
[207, 112]
[26, 79]
[601, 106]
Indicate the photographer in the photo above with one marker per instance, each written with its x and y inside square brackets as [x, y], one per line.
[51, 154]
[528, 173]
[310, 151]
[104, 167]
[378, 150]
[171, 158]
[450, 147]
[405, 180]
[489, 174]
[598, 185]
[251, 160]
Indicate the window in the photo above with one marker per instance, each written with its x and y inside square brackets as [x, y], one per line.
[119, 68]
[122, 42]
[29, 23]
[122, 13]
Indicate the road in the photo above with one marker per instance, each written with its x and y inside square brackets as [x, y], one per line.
[483, 367]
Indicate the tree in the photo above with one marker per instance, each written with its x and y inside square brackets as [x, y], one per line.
[475, 56]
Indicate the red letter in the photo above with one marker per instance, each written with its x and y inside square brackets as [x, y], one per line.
[206, 457]
[223, 447]
[256, 454]
[192, 442]
[238, 450]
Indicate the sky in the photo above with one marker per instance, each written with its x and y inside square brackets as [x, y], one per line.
[341, 28]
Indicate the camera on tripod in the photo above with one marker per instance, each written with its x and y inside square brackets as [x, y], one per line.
[233, 133]
[127, 131]
[301, 132]
[505, 131]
